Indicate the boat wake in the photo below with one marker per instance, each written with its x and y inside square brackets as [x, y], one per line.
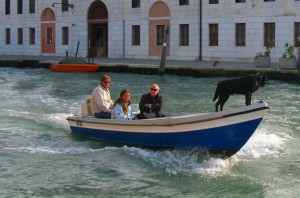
[263, 143]
[56, 120]
[184, 161]
[51, 150]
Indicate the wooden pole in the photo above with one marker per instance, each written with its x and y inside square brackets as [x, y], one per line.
[163, 54]
[77, 49]
[298, 67]
[89, 50]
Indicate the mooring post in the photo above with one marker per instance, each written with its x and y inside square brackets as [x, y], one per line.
[298, 67]
[163, 54]
[77, 49]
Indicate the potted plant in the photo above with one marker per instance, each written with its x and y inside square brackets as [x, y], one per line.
[263, 59]
[288, 59]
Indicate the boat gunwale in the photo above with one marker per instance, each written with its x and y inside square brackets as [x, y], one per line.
[179, 120]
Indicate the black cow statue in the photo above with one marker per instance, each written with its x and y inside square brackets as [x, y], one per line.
[245, 85]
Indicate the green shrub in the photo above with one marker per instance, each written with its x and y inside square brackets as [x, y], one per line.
[289, 51]
[267, 52]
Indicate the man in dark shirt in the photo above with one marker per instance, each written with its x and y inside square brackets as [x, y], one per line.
[151, 103]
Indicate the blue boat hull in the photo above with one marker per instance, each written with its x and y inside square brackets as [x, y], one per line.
[229, 138]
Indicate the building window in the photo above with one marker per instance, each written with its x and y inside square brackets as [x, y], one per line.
[31, 6]
[213, 34]
[160, 31]
[240, 34]
[7, 7]
[31, 36]
[213, 1]
[20, 36]
[65, 35]
[49, 36]
[184, 35]
[268, 0]
[240, 1]
[136, 33]
[269, 34]
[20, 6]
[297, 35]
[183, 2]
[136, 3]
[7, 36]
[65, 5]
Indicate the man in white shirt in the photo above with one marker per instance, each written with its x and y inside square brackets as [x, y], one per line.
[101, 102]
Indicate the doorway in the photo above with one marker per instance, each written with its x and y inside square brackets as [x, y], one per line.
[48, 31]
[98, 30]
[98, 40]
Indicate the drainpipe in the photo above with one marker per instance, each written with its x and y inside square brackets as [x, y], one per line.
[123, 49]
[123, 53]
[298, 66]
[200, 30]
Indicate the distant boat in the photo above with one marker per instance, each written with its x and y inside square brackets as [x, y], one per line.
[74, 65]
[224, 132]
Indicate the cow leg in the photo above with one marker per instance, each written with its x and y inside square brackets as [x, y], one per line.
[217, 105]
[250, 96]
[248, 99]
[223, 100]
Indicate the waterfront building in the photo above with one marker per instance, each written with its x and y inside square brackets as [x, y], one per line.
[229, 30]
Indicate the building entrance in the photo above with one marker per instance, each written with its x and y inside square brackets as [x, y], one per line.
[48, 31]
[98, 30]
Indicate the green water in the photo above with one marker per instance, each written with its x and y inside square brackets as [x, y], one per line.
[41, 158]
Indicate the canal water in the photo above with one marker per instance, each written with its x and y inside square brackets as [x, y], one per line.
[41, 158]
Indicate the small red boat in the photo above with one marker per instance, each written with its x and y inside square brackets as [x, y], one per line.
[74, 67]
[74, 64]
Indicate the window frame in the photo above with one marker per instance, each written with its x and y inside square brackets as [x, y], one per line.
[31, 6]
[49, 36]
[297, 34]
[31, 36]
[184, 31]
[65, 35]
[20, 6]
[7, 36]
[213, 1]
[135, 3]
[7, 7]
[184, 2]
[64, 5]
[269, 34]
[159, 34]
[136, 35]
[240, 34]
[213, 34]
[20, 36]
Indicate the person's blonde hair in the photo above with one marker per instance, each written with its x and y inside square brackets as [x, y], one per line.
[105, 77]
[121, 102]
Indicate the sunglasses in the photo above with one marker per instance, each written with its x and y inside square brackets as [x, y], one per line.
[106, 81]
[153, 89]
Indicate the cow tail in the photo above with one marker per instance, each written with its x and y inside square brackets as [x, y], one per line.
[216, 93]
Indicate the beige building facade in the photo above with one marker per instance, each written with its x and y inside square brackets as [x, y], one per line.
[231, 30]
